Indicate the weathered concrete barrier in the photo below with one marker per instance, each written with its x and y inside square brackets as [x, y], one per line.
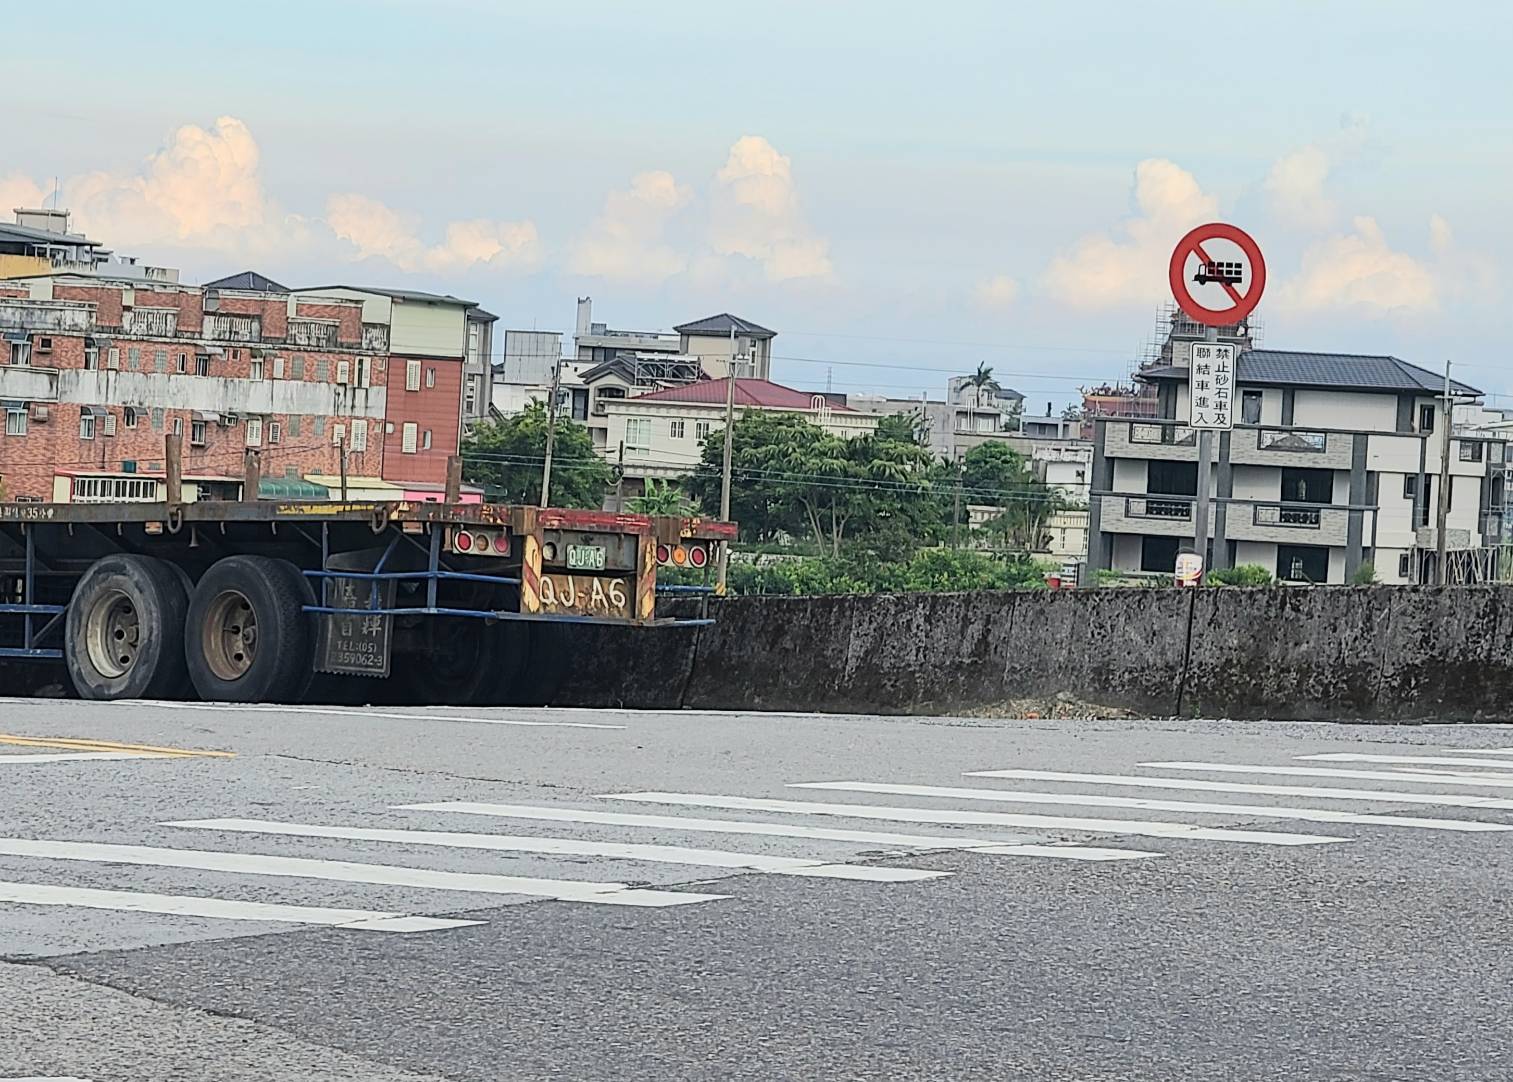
[1366, 653]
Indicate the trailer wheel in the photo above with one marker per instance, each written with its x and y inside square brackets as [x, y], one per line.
[246, 637]
[124, 633]
[469, 663]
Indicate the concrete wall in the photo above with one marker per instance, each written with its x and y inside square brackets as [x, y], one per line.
[1343, 653]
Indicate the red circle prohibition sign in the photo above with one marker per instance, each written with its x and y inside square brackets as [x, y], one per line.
[1245, 303]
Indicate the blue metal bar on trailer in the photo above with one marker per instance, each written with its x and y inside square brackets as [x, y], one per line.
[465, 576]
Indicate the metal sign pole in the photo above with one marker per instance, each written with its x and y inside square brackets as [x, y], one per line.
[1205, 465]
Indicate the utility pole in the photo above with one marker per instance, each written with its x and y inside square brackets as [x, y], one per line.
[252, 475]
[620, 482]
[956, 505]
[1442, 504]
[1205, 464]
[341, 454]
[551, 435]
[173, 463]
[725, 470]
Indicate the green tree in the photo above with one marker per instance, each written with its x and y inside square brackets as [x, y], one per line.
[505, 457]
[997, 475]
[791, 478]
[982, 379]
[659, 499]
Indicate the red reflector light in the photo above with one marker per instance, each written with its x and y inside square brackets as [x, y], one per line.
[663, 554]
[698, 555]
[502, 543]
[463, 542]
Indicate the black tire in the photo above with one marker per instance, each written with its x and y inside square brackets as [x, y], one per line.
[467, 663]
[124, 634]
[548, 652]
[246, 637]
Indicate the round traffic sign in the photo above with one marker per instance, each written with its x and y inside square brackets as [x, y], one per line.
[1230, 274]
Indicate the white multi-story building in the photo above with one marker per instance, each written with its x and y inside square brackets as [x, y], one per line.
[1334, 462]
[663, 432]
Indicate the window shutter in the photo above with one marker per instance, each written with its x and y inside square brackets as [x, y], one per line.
[110, 424]
[275, 432]
[338, 434]
[254, 431]
[407, 438]
[359, 435]
[113, 358]
[343, 371]
[278, 368]
[412, 375]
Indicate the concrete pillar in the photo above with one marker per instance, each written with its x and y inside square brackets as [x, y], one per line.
[1102, 480]
[1355, 517]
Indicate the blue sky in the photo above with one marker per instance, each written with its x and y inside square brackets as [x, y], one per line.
[919, 186]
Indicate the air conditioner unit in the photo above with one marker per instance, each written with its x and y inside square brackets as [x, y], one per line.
[41, 412]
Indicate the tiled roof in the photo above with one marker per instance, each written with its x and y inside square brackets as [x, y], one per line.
[250, 280]
[760, 393]
[1351, 371]
[399, 294]
[723, 323]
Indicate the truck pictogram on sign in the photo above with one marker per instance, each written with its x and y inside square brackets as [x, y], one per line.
[1243, 280]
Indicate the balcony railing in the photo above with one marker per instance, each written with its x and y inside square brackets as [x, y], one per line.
[312, 334]
[1169, 507]
[1280, 514]
[1291, 439]
[152, 322]
[1171, 435]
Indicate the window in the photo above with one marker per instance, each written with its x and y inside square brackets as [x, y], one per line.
[318, 427]
[160, 360]
[183, 363]
[114, 489]
[254, 431]
[343, 371]
[109, 425]
[430, 378]
[425, 440]
[364, 372]
[1172, 478]
[196, 433]
[1159, 554]
[471, 396]
[44, 345]
[157, 420]
[113, 358]
[1307, 486]
[129, 415]
[338, 435]
[412, 375]
[1250, 407]
[1302, 563]
[91, 358]
[255, 370]
[133, 357]
[21, 353]
[202, 364]
[322, 371]
[297, 368]
[638, 434]
[1426, 418]
[178, 427]
[275, 432]
[700, 430]
[15, 418]
[408, 435]
[1470, 450]
[1402, 566]
[278, 368]
[1410, 486]
[359, 434]
[86, 425]
[676, 429]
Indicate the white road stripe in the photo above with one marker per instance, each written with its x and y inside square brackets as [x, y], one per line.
[342, 871]
[1481, 751]
[239, 708]
[1132, 827]
[1065, 852]
[1422, 777]
[1259, 811]
[660, 854]
[181, 905]
[77, 757]
[1312, 792]
[712, 826]
[1410, 760]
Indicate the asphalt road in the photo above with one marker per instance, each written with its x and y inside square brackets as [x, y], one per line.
[223, 893]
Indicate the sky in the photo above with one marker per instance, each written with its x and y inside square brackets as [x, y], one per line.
[901, 191]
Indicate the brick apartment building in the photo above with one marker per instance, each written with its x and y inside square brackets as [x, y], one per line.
[95, 371]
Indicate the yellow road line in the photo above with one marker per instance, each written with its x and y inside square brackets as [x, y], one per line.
[71, 744]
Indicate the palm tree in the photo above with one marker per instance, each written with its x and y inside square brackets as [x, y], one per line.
[982, 379]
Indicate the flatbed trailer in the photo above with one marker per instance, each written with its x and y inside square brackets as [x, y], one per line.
[266, 601]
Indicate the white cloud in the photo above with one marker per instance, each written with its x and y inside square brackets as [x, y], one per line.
[375, 229]
[626, 242]
[999, 291]
[19, 191]
[754, 212]
[1359, 272]
[1295, 189]
[1127, 266]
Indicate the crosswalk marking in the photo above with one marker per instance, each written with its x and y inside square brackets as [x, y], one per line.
[662, 854]
[1132, 827]
[1260, 811]
[343, 871]
[1427, 760]
[1420, 776]
[1065, 852]
[75, 757]
[183, 905]
[1481, 751]
[713, 826]
[1313, 792]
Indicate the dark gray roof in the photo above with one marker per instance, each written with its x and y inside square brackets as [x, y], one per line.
[481, 316]
[249, 280]
[722, 324]
[1361, 372]
[25, 233]
[399, 294]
